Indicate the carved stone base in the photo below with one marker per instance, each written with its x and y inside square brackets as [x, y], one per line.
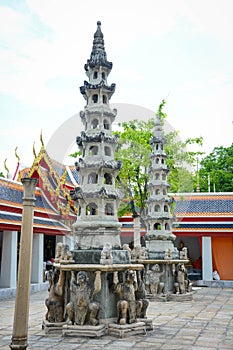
[157, 297]
[52, 327]
[181, 297]
[123, 331]
[148, 322]
[84, 331]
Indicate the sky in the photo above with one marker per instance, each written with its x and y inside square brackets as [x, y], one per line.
[177, 50]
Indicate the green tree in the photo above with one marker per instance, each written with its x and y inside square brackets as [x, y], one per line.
[1, 174]
[134, 150]
[217, 168]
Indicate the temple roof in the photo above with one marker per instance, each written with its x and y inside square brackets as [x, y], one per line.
[55, 180]
[47, 219]
[198, 214]
[204, 204]
[98, 54]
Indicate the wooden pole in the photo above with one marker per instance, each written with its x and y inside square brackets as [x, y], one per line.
[20, 327]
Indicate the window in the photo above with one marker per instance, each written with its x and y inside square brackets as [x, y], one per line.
[157, 147]
[95, 123]
[157, 161]
[157, 208]
[91, 209]
[104, 99]
[157, 191]
[167, 226]
[93, 151]
[106, 124]
[103, 75]
[107, 179]
[93, 178]
[109, 209]
[95, 98]
[95, 75]
[164, 176]
[107, 151]
[164, 192]
[166, 208]
[156, 176]
[157, 226]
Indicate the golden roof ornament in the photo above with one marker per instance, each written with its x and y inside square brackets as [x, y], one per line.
[33, 150]
[41, 139]
[16, 154]
[6, 168]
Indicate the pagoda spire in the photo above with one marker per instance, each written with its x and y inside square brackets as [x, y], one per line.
[98, 53]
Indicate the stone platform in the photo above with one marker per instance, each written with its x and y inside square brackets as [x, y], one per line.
[52, 328]
[205, 323]
[127, 330]
[84, 331]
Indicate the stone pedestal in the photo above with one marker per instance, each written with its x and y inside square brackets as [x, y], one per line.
[52, 328]
[84, 331]
[127, 330]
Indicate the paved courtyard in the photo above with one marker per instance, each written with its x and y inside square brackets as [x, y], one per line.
[202, 324]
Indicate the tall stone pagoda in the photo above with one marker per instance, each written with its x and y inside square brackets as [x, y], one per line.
[158, 217]
[98, 198]
[93, 274]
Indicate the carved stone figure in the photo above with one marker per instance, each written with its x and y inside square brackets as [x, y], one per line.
[106, 254]
[140, 295]
[155, 285]
[82, 309]
[139, 252]
[127, 307]
[63, 253]
[184, 253]
[182, 283]
[55, 301]
[58, 252]
[168, 254]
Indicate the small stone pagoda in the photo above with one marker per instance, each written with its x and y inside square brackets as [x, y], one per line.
[165, 267]
[95, 289]
[159, 218]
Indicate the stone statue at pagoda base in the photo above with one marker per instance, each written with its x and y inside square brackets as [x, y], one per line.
[155, 285]
[127, 306]
[54, 318]
[182, 284]
[82, 310]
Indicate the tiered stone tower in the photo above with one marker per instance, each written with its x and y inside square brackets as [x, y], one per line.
[97, 222]
[158, 217]
[165, 271]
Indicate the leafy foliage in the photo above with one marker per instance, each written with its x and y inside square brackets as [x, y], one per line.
[134, 150]
[218, 166]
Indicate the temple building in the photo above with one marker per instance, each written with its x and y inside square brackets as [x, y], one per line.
[54, 215]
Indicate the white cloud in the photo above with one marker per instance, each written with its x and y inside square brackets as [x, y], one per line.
[212, 17]
[47, 45]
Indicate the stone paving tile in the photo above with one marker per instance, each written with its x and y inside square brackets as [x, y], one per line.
[202, 324]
